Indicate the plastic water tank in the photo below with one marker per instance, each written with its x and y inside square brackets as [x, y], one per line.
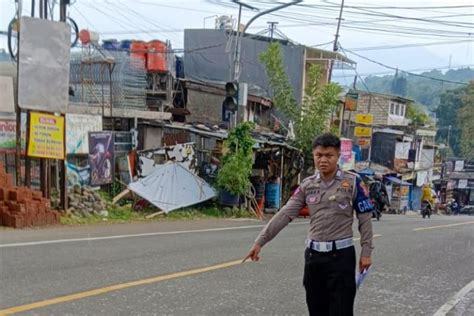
[156, 59]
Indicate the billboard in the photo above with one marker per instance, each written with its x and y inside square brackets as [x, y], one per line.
[101, 158]
[46, 137]
[78, 127]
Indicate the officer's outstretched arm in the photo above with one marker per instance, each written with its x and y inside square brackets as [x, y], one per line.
[281, 219]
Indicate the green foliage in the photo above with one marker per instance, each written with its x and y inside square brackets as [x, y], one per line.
[466, 123]
[418, 116]
[424, 91]
[447, 115]
[234, 175]
[399, 85]
[319, 100]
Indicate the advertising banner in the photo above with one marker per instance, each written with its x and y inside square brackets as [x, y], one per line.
[46, 138]
[101, 158]
[8, 135]
[78, 127]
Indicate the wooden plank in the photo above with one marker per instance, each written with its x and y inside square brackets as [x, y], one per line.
[154, 214]
[120, 196]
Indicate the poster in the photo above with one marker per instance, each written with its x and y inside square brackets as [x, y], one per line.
[46, 138]
[101, 158]
[78, 127]
[8, 135]
[365, 119]
[346, 160]
[351, 101]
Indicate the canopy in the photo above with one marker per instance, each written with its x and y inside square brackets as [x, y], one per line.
[171, 187]
[397, 181]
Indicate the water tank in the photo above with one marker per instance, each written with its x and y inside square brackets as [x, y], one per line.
[138, 51]
[86, 37]
[110, 44]
[156, 59]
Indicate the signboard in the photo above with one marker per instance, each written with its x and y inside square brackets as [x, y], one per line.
[101, 158]
[78, 127]
[363, 142]
[366, 119]
[362, 131]
[459, 165]
[43, 62]
[46, 138]
[462, 183]
[351, 102]
[8, 135]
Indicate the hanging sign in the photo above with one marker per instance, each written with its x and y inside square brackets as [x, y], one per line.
[363, 131]
[366, 119]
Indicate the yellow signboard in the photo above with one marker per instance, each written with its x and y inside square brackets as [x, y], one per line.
[366, 119]
[364, 142]
[363, 131]
[46, 137]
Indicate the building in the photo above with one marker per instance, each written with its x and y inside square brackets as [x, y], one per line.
[209, 58]
[388, 110]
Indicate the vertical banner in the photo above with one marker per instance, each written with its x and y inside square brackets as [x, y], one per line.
[346, 160]
[101, 158]
[46, 138]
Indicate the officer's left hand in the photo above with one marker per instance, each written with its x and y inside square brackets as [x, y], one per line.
[364, 263]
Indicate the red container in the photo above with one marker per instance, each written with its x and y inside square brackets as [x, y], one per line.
[156, 60]
[138, 50]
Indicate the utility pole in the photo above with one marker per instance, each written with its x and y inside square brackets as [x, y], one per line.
[271, 29]
[336, 38]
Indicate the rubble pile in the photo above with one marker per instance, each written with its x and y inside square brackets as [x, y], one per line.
[85, 201]
[23, 207]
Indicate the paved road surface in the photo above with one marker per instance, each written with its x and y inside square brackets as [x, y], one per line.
[419, 266]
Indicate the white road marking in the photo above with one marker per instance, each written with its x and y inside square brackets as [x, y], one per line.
[57, 241]
[443, 310]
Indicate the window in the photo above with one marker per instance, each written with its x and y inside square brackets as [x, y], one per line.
[397, 109]
[404, 107]
[392, 108]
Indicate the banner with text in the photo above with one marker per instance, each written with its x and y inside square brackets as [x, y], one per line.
[46, 137]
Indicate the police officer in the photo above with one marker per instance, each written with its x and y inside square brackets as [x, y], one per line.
[332, 196]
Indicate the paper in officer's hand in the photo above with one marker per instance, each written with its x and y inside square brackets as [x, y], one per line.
[361, 276]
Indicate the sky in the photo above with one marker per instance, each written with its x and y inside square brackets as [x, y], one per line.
[434, 34]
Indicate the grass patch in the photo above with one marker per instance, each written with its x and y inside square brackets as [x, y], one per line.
[125, 214]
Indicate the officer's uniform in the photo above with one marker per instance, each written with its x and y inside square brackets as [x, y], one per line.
[329, 274]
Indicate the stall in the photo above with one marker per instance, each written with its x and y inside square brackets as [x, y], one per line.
[399, 195]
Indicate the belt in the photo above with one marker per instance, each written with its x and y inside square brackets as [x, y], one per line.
[327, 246]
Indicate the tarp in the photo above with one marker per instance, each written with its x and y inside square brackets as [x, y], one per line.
[397, 181]
[171, 187]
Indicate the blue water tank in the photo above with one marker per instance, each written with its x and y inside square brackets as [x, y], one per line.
[111, 44]
[125, 45]
[272, 195]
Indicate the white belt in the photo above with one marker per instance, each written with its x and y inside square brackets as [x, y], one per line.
[327, 246]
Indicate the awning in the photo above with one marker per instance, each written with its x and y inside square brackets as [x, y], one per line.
[397, 181]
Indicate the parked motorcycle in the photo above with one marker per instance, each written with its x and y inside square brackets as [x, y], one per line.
[426, 209]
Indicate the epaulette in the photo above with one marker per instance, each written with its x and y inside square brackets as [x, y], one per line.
[314, 176]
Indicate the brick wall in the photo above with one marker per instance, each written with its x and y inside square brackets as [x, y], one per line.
[379, 107]
[204, 107]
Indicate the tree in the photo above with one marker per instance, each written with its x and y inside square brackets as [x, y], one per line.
[466, 123]
[447, 114]
[312, 118]
[399, 85]
[418, 116]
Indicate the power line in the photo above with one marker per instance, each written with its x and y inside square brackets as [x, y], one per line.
[356, 49]
[411, 70]
[404, 71]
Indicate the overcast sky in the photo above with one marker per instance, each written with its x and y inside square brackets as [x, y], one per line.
[366, 24]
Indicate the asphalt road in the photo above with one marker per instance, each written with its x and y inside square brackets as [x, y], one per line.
[419, 266]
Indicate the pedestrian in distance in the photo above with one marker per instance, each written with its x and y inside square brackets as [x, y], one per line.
[332, 196]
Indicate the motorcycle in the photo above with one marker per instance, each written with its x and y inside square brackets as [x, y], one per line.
[376, 213]
[426, 209]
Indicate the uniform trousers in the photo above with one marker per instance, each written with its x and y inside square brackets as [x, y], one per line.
[329, 280]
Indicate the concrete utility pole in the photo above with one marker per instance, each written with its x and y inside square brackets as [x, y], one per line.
[336, 38]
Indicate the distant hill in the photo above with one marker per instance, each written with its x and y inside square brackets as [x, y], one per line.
[423, 91]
